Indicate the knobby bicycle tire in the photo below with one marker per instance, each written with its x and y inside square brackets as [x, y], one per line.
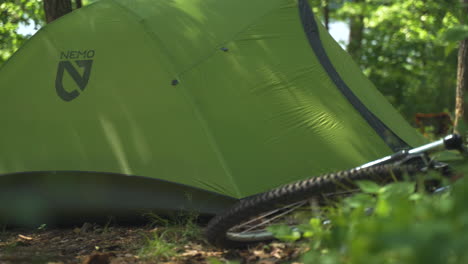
[217, 229]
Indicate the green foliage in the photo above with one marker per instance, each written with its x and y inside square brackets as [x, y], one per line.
[456, 33]
[333, 5]
[392, 224]
[404, 57]
[401, 50]
[284, 232]
[12, 14]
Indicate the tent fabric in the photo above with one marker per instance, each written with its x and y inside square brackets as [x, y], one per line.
[313, 35]
[229, 98]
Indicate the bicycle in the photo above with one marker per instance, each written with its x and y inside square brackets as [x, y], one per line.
[246, 222]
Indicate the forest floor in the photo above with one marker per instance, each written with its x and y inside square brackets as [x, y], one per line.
[94, 244]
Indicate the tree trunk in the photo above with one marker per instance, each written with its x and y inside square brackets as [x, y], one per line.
[79, 4]
[461, 109]
[326, 14]
[56, 8]
[462, 84]
[356, 30]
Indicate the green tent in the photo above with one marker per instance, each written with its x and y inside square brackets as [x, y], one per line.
[181, 105]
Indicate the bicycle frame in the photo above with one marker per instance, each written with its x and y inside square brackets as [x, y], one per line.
[247, 221]
[450, 142]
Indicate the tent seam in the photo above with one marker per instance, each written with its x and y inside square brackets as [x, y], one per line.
[392, 140]
[211, 139]
[150, 33]
[224, 42]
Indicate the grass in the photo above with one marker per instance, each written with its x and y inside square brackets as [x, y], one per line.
[170, 236]
[158, 248]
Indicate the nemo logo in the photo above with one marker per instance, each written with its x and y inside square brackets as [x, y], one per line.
[70, 60]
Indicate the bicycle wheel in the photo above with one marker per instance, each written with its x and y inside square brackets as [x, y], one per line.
[247, 221]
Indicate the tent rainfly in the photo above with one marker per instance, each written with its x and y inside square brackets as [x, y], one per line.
[123, 106]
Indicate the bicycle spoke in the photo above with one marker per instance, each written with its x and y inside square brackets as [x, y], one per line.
[291, 207]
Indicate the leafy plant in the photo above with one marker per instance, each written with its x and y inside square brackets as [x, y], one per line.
[391, 224]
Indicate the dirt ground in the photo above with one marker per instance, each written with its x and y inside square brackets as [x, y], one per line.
[93, 244]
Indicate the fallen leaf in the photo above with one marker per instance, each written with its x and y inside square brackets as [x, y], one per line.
[25, 237]
[260, 253]
[191, 253]
[277, 253]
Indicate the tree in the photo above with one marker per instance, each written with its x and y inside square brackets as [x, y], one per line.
[56, 8]
[17, 13]
[397, 45]
[14, 13]
[326, 14]
[326, 10]
[461, 108]
[356, 29]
